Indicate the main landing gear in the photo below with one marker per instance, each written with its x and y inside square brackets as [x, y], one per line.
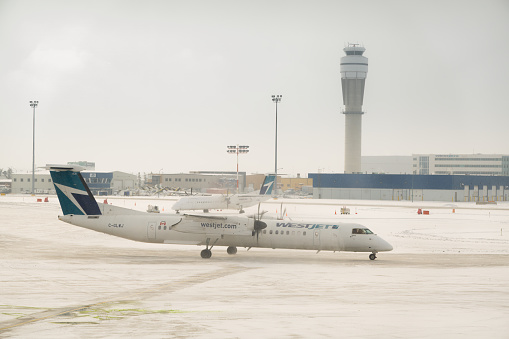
[207, 252]
[372, 256]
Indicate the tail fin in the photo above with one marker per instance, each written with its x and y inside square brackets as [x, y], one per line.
[72, 191]
[268, 183]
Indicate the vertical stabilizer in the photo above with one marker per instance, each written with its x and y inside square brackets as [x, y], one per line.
[72, 191]
[268, 183]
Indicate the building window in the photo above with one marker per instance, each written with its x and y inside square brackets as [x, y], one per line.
[14, 179]
[42, 180]
[21, 179]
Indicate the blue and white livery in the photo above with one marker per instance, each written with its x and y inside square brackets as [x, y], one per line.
[80, 208]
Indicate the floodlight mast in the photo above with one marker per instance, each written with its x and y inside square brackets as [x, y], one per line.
[276, 99]
[33, 104]
[237, 150]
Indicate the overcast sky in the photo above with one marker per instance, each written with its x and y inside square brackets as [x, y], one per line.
[150, 86]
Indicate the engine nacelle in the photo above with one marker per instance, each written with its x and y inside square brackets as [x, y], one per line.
[231, 225]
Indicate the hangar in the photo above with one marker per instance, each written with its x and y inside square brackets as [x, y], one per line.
[410, 187]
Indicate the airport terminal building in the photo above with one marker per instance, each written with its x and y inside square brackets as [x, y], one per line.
[410, 187]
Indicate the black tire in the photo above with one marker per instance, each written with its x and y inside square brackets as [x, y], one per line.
[231, 250]
[372, 256]
[206, 254]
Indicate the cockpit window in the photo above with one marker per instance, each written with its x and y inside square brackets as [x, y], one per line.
[361, 231]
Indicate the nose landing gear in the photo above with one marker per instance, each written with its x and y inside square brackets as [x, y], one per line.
[372, 256]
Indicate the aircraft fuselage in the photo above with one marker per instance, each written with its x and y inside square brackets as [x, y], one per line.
[233, 231]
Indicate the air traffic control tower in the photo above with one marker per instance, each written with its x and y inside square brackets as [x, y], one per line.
[354, 69]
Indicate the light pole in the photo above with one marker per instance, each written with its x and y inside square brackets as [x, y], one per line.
[276, 99]
[33, 104]
[237, 150]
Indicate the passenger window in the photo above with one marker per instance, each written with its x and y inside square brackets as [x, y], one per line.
[287, 232]
[165, 228]
[277, 232]
[270, 232]
[304, 233]
[159, 227]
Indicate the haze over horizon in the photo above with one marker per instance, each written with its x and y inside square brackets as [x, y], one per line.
[168, 85]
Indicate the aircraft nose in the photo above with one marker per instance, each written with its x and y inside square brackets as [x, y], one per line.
[384, 246]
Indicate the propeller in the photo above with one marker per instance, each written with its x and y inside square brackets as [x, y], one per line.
[258, 223]
[282, 215]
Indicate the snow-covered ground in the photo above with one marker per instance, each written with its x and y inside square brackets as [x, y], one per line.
[448, 277]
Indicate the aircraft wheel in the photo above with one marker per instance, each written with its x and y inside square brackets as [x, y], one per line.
[231, 250]
[206, 254]
[372, 256]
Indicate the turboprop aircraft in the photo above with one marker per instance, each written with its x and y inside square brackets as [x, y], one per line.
[236, 201]
[80, 208]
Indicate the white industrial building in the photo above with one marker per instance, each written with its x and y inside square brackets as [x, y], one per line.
[22, 183]
[452, 164]
[201, 181]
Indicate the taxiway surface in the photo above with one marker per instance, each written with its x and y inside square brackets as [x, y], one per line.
[447, 277]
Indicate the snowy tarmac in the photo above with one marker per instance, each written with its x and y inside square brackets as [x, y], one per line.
[448, 277]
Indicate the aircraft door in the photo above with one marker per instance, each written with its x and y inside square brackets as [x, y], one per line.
[329, 240]
[151, 230]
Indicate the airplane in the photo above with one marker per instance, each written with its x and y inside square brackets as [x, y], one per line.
[80, 208]
[219, 202]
